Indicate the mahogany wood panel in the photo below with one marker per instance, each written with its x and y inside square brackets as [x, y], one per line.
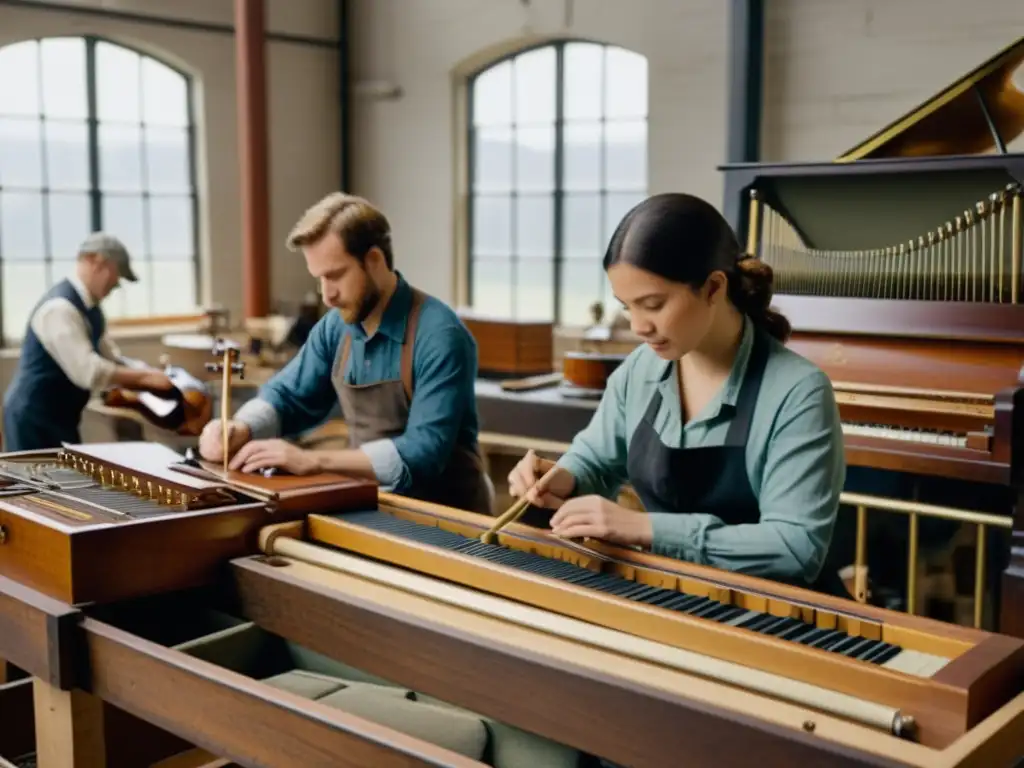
[37, 633]
[597, 714]
[205, 704]
[929, 364]
[924, 459]
[510, 347]
[590, 370]
[938, 320]
[101, 561]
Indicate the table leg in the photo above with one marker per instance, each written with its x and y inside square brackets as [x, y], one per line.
[69, 728]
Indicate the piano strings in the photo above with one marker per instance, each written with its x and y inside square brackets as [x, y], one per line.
[975, 256]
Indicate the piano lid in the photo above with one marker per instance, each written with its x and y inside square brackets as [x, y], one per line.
[963, 119]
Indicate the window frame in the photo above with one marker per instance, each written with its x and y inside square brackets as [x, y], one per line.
[94, 191]
[465, 264]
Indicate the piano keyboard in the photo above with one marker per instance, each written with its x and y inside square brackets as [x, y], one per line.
[783, 627]
[889, 432]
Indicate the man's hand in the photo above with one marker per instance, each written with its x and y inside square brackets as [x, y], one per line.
[597, 518]
[279, 454]
[211, 443]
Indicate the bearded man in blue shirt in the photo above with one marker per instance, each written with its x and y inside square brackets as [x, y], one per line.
[401, 365]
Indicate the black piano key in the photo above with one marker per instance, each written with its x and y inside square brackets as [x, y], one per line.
[788, 623]
[846, 644]
[831, 640]
[885, 654]
[730, 614]
[755, 623]
[717, 611]
[681, 603]
[810, 636]
[863, 648]
[648, 594]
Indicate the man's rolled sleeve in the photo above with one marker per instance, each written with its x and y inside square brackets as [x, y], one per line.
[391, 472]
[301, 394]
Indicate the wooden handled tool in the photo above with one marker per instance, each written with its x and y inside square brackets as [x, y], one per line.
[513, 513]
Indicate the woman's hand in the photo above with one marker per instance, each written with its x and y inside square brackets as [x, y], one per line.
[549, 495]
[597, 518]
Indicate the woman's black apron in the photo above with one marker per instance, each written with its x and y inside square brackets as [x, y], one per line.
[708, 479]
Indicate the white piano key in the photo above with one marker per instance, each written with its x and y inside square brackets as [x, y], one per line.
[916, 663]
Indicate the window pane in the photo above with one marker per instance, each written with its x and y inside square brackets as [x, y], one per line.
[535, 227]
[492, 287]
[535, 159]
[117, 83]
[581, 227]
[626, 155]
[133, 299]
[583, 73]
[492, 164]
[21, 226]
[120, 153]
[167, 160]
[581, 287]
[21, 152]
[535, 290]
[492, 226]
[164, 95]
[63, 65]
[19, 79]
[122, 217]
[492, 96]
[177, 287]
[625, 84]
[582, 157]
[67, 155]
[616, 206]
[535, 86]
[23, 284]
[171, 227]
[68, 224]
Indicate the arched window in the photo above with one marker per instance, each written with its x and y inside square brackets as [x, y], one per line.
[94, 136]
[558, 154]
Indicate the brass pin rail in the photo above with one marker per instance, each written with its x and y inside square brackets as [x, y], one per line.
[915, 510]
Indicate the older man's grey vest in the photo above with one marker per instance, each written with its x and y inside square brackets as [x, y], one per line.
[42, 406]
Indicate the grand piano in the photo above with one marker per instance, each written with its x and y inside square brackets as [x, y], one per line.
[900, 267]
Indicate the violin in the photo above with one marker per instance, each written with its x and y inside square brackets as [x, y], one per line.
[590, 370]
[185, 409]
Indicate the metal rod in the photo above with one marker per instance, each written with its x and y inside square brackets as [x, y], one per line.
[860, 577]
[928, 510]
[912, 564]
[979, 576]
[1015, 259]
[753, 224]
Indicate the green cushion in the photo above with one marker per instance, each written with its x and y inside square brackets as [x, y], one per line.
[446, 727]
[307, 684]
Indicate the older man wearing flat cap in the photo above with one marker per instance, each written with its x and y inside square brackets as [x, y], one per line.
[66, 355]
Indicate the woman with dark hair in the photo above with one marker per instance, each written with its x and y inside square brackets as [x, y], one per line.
[732, 441]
